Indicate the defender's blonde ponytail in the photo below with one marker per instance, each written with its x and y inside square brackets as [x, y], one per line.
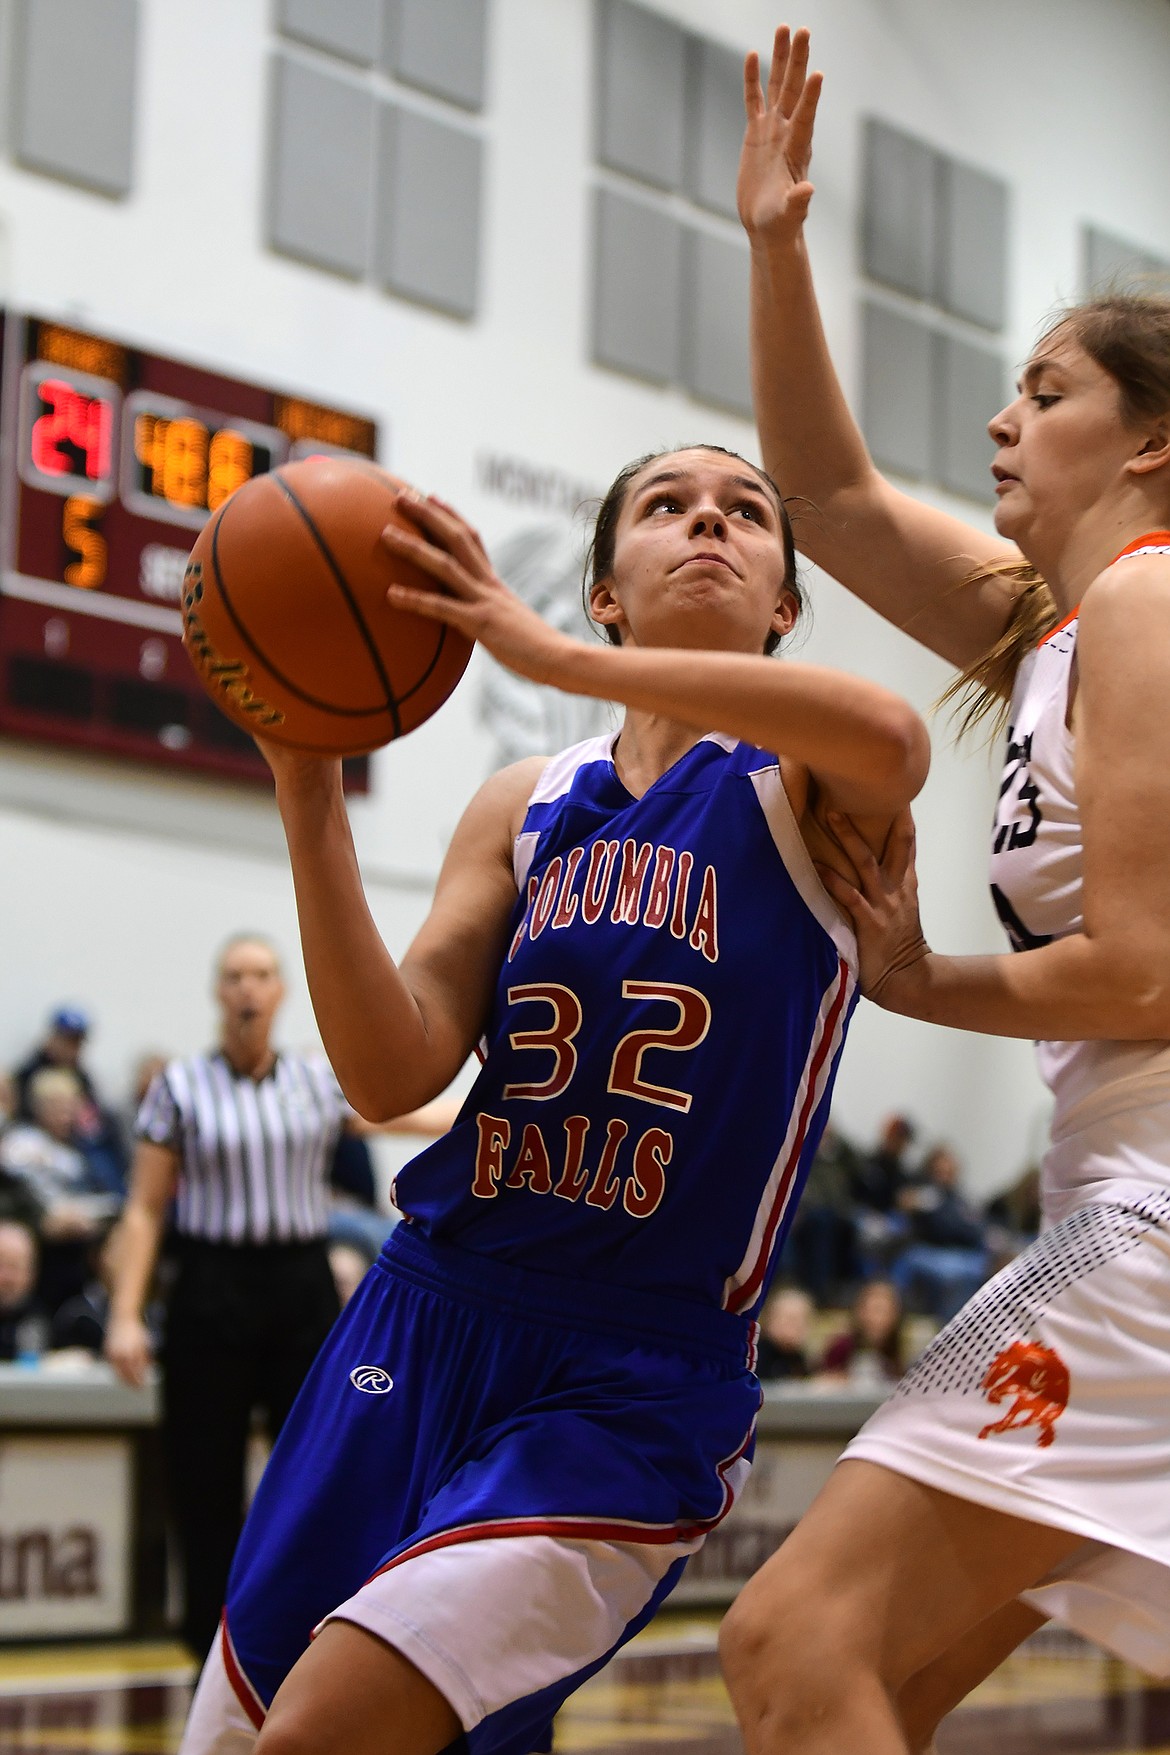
[980, 694]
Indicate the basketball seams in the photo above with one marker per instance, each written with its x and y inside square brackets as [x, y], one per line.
[354, 608]
[262, 658]
[375, 471]
[429, 672]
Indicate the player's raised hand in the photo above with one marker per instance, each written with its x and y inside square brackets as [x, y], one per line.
[773, 191]
[470, 594]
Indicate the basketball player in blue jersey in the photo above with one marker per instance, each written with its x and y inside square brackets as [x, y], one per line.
[541, 1398]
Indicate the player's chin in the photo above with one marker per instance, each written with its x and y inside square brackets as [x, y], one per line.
[709, 622]
[1011, 515]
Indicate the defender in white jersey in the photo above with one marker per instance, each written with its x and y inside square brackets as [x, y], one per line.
[1020, 1470]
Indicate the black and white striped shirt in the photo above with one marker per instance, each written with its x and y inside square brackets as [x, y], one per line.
[254, 1154]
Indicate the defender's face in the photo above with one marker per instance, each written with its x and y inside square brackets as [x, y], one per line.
[698, 558]
[1061, 446]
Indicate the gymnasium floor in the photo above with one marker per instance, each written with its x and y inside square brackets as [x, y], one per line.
[663, 1694]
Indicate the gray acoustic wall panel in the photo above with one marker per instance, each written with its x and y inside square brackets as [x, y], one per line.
[972, 244]
[1109, 261]
[970, 387]
[716, 364]
[899, 214]
[440, 46]
[74, 83]
[352, 28]
[321, 175]
[638, 290]
[897, 397]
[714, 132]
[641, 92]
[430, 182]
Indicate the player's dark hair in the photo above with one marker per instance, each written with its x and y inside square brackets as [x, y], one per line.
[1128, 335]
[599, 557]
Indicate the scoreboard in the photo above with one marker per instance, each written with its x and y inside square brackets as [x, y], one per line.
[111, 459]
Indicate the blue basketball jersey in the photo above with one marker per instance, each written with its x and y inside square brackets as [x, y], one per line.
[663, 1040]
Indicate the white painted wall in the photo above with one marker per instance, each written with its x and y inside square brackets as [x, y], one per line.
[116, 887]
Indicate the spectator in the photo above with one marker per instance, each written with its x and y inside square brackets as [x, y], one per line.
[80, 1323]
[871, 1353]
[355, 1217]
[784, 1335]
[96, 1127]
[146, 1069]
[819, 1253]
[71, 1199]
[881, 1175]
[20, 1308]
[63, 1046]
[947, 1257]
[349, 1265]
[1013, 1217]
[17, 1200]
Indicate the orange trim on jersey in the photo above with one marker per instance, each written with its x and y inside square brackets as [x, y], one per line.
[1152, 539]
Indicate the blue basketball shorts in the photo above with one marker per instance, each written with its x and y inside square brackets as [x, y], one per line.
[498, 1472]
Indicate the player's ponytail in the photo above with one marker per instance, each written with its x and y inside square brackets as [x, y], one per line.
[1128, 335]
[981, 693]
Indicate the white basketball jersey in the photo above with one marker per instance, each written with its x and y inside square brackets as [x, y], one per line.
[1036, 883]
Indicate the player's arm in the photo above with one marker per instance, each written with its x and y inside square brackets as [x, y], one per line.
[429, 1121]
[867, 748]
[154, 1176]
[396, 1035]
[906, 560]
[1112, 980]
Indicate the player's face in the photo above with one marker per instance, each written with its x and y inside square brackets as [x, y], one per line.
[698, 558]
[249, 988]
[1061, 447]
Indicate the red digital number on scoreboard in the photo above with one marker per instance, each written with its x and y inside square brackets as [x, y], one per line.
[67, 424]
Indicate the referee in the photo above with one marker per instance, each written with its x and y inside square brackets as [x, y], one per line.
[239, 1143]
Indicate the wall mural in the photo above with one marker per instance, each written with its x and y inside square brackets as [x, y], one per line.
[543, 565]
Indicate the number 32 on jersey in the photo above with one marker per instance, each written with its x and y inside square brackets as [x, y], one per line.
[634, 1170]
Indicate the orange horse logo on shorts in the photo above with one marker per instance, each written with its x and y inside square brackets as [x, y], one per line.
[1037, 1378]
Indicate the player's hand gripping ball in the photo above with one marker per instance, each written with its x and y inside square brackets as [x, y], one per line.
[285, 615]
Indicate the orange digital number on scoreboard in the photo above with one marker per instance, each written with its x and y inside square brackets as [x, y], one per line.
[78, 522]
[180, 462]
[186, 463]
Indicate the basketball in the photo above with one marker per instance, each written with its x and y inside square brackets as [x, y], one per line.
[285, 615]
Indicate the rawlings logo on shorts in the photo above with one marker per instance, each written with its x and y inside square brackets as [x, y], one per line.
[371, 1380]
[1038, 1380]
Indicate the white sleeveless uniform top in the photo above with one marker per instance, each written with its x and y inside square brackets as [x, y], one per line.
[1111, 1125]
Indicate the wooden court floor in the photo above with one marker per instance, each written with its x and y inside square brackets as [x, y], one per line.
[1056, 1697]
